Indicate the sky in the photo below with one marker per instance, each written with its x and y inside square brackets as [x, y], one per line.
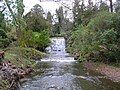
[49, 5]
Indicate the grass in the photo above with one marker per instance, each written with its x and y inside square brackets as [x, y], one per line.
[21, 57]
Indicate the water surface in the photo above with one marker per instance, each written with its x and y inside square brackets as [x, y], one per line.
[62, 72]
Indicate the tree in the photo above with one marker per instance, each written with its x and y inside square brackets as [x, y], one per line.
[38, 10]
[77, 12]
[117, 6]
[104, 6]
[90, 4]
[89, 12]
[60, 18]
[49, 17]
[35, 20]
[17, 16]
[37, 31]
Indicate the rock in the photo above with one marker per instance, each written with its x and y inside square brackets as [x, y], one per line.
[0, 67]
[13, 74]
[4, 68]
[13, 67]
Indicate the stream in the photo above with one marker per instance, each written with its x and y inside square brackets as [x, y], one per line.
[62, 72]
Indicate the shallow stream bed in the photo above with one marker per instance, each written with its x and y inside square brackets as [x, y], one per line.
[68, 76]
[62, 72]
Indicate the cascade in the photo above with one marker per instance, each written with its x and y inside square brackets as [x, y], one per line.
[57, 50]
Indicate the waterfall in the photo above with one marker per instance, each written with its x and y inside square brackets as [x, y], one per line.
[57, 50]
[57, 46]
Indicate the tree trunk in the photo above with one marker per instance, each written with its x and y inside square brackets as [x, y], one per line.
[111, 5]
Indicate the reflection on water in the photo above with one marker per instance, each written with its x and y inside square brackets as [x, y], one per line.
[62, 72]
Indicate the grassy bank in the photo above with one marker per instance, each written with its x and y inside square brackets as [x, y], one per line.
[22, 57]
[17, 61]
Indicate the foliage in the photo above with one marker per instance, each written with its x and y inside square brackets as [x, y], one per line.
[31, 53]
[36, 34]
[4, 84]
[99, 40]
[117, 6]
[35, 20]
[60, 16]
[102, 21]
[82, 43]
[16, 9]
[40, 40]
[82, 13]
[28, 52]
[4, 41]
[56, 29]
[62, 25]
[109, 41]
[2, 21]
[104, 7]
[77, 12]
[18, 57]
[34, 39]
[3, 33]
[95, 35]
[106, 21]
[49, 17]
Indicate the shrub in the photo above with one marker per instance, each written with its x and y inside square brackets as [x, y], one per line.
[103, 21]
[109, 41]
[99, 40]
[82, 43]
[35, 40]
[40, 40]
[107, 26]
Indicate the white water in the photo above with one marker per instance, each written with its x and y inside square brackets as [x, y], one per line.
[57, 51]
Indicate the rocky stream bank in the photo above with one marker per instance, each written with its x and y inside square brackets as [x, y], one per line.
[112, 73]
[11, 75]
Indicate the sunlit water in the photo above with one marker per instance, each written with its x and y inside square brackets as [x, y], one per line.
[62, 72]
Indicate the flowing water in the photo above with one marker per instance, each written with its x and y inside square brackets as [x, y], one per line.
[62, 72]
